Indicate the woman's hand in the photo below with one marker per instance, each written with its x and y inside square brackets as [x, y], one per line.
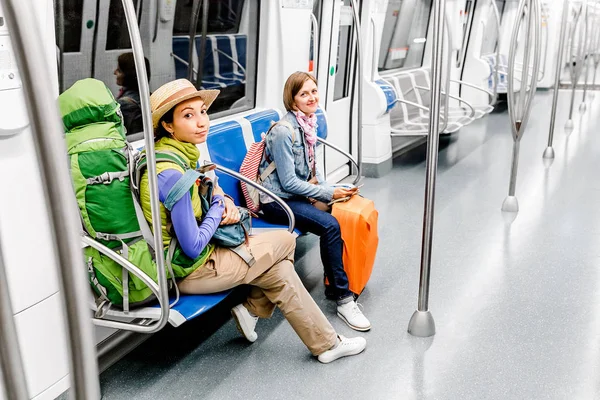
[231, 215]
[341, 192]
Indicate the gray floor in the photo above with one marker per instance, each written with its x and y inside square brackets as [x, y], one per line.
[517, 306]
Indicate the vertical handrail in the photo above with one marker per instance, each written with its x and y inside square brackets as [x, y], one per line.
[497, 64]
[315, 28]
[549, 152]
[447, 41]
[359, 68]
[375, 58]
[192, 34]
[422, 323]
[60, 35]
[575, 72]
[520, 116]
[11, 364]
[58, 194]
[140, 69]
[586, 47]
[202, 54]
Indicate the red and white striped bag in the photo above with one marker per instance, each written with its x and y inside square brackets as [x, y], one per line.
[250, 164]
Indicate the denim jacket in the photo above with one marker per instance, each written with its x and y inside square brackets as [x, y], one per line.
[290, 178]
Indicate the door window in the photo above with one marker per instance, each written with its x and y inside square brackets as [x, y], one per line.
[73, 15]
[343, 66]
[404, 34]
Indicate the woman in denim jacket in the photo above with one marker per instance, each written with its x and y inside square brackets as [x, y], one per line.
[297, 179]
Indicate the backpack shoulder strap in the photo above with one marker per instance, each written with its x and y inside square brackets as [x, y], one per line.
[271, 168]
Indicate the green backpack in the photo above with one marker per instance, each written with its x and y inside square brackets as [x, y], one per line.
[102, 164]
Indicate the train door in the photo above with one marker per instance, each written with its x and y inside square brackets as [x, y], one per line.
[335, 71]
[75, 28]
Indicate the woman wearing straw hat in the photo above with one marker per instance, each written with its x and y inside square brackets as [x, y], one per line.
[180, 119]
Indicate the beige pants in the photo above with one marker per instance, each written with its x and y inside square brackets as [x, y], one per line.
[274, 282]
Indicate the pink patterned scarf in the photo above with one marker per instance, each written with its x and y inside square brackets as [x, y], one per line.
[308, 123]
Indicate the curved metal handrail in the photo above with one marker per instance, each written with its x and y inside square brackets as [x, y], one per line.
[471, 85]
[202, 53]
[142, 78]
[181, 60]
[236, 62]
[283, 204]
[57, 193]
[452, 97]
[339, 150]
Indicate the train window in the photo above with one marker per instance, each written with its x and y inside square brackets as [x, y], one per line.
[343, 65]
[73, 16]
[117, 34]
[226, 55]
[491, 30]
[404, 34]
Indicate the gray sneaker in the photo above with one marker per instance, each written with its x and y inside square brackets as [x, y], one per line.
[245, 322]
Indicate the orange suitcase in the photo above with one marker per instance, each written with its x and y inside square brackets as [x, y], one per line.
[358, 222]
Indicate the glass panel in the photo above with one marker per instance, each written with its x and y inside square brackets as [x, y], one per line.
[73, 14]
[117, 35]
[229, 50]
[490, 34]
[404, 34]
[343, 65]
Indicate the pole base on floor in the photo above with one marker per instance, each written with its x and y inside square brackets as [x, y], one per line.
[548, 156]
[569, 127]
[582, 108]
[421, 324]
[510, 204]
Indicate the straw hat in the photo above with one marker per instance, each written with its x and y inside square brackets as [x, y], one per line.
[172, 93]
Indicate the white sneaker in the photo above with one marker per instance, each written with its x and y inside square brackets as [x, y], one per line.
[352, 316]
[345, 347]
[245, 322]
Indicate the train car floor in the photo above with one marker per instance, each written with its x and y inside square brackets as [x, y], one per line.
[516, 303]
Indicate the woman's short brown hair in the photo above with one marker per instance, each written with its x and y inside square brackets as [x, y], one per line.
[293, 85]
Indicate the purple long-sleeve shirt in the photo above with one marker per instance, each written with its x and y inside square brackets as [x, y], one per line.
[192, 237]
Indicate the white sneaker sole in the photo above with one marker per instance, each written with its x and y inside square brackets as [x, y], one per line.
[356, 328]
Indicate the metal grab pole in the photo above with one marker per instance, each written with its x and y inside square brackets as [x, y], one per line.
[549, 152]
[202, 54]
[520, 116]
[422, 323]
[11, 365]
[575, 71]
[359, 70]
[496, 72]
[192, 34]
[57, 190]
[140, 68]
[586, 44]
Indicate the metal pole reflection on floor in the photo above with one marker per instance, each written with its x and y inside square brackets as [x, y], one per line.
[548, 155]
[529, 10]
[422, 323]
